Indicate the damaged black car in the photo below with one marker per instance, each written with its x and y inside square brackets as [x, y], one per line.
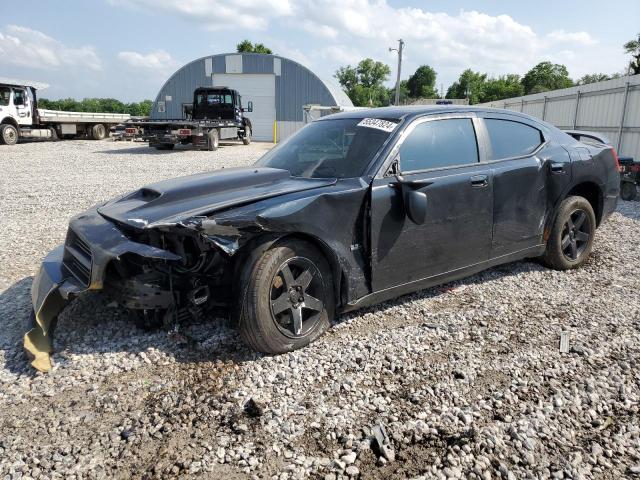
[354, 209]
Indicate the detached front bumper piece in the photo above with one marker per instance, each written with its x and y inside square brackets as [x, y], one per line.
[70, 269]
[51, 291]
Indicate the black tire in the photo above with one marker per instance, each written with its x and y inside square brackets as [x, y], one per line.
[273, 298]
[628, 191]
[165, 146]
[8, 134]
[246, 139]
[572, 234]
[98, 132]
[213, 140]
[54, 134]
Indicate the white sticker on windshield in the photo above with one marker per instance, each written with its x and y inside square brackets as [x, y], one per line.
[378, 123]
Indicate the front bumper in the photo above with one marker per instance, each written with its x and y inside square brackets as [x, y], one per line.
[55, 286]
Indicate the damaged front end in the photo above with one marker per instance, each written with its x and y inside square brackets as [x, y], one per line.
[162, 275]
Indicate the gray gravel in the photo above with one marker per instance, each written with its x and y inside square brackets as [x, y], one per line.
[467, 378]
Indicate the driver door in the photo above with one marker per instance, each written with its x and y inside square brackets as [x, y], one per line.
[22, 106]
[439, 159]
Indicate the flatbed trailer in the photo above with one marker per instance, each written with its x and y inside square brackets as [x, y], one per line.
[216, 114]
[205, 134]
[20, 116]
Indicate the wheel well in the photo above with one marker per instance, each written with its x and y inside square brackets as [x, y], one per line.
[327, 252]
[9, 121]
[593, 194]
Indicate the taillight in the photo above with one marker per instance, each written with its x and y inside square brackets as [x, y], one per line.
[615, 159]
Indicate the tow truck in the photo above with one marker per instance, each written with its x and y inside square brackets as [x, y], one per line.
[216, 114]
[20, 116]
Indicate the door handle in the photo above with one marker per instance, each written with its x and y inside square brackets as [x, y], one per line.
[557, 167]
[479, 181]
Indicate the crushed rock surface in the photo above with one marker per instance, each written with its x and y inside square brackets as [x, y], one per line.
[467, 378]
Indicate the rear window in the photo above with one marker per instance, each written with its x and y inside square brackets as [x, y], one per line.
[511, 139]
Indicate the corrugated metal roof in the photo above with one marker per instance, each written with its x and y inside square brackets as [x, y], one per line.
[296, 85]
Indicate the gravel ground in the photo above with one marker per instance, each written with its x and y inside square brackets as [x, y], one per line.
[467, 378]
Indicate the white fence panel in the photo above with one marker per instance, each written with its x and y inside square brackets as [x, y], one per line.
[599, 107]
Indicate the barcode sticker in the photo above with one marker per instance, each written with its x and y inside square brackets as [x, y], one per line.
[378, 123]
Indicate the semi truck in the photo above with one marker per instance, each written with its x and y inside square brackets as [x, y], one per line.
[215, 114]
[20, 116]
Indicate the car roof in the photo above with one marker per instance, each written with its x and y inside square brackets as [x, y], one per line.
[408, 112]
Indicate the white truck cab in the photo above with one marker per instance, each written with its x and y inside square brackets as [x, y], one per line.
[16, 104]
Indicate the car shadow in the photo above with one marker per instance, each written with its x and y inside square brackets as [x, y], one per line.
[144, 149]
[491, 274]
[92, 324]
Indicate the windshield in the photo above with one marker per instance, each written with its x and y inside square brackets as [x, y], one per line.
[212, 98]
[4, 96]
[340, 148]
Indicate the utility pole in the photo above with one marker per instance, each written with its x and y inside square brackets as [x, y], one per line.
[399, 50]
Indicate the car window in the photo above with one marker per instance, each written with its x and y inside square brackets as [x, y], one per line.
[439, 143]
[5, 93]
[331, 148]
[18, 97]
[511, 139]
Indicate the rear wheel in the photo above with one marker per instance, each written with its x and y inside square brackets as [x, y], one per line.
[246, 139]
[8, 134]
[98, 132]
[572, 234]
[628, 191]
[289, 300]
[214, 140]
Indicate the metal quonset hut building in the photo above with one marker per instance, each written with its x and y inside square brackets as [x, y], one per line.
[277, 86]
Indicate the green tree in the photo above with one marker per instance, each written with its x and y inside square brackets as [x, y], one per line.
[422, 84]
[102, 105]
[245, 46]
[364, 83]
[633, 47]
[546, 76]
[469, 85]
[507, 86]
[596, 77]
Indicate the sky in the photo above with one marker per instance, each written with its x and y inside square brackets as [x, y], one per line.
[126, 49]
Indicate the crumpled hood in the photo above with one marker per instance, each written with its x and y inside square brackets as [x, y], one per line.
[171, 201]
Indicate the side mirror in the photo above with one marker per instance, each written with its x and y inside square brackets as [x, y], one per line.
[415, 201]
[249, 107]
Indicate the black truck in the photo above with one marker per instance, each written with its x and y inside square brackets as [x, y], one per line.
[216, 114]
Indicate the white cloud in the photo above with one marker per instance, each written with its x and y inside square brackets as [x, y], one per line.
[218, 14]
[158, 60]
[575, 38]
[24, 47]
[496, 44]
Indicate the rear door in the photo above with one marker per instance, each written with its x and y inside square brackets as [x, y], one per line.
[440, 157]
[528, 173]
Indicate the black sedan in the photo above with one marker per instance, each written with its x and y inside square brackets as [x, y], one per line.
[354, 209]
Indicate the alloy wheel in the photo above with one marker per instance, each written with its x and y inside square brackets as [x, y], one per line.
[296, 296]
[575, 235]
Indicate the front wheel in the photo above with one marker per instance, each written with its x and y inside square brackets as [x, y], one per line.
[572, 234]
[8, 134]
[289, 299]
[246, 139]
[214, 140]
